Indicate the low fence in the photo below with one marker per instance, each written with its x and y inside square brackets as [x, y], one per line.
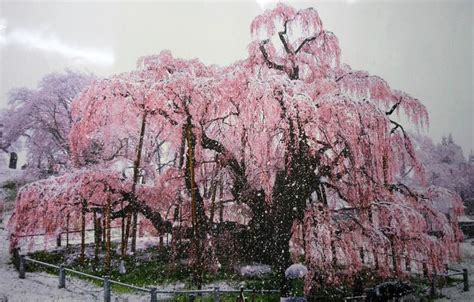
[59, 237]
[433, 289]
[451, 273]
[153, 292]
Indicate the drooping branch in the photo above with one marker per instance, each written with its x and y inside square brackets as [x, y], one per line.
[306, 41]
[269, 63]
[283, 38]
[393, 107]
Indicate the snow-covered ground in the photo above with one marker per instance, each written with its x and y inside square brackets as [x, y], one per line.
[456, 293]
[44, 287]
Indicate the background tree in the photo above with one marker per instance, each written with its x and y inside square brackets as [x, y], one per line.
[446, 165]
[41, 119]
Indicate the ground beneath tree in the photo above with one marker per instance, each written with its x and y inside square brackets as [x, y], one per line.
[456, 293]
[44, 287]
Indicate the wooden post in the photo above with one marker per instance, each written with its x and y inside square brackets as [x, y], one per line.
[67, 230]
[465, 278]
[407, 264]
[128, 222]
[362, 255]
[122, 244]
[394, 256]
[106, 289]
[133, 245]
[107, 231]
[425, 269]
[96, 237]
[433, 286]
[217, 296]
[83, 233]
[376, 260]
[104, 227]
[62, 277]
[153, 297]
[22, 267]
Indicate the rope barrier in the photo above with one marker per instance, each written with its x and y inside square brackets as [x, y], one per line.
[42, 263]
[84, 274]
[138, 288]
[130, 286]
[71, 282]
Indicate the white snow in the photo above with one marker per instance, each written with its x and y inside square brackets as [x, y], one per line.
[43, 287]
[464, 218]
[296, 271]
[456, 293]
[254, 270]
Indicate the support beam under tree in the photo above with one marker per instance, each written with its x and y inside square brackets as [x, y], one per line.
[83, 233]
[107, 242]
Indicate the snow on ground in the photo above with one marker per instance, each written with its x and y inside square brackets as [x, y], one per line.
[7, 174]
[44, 287]
[456, 293]
[254, 270]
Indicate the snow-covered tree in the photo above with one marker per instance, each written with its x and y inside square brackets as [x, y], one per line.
[40, 119]
[445, 165]
[306, 148]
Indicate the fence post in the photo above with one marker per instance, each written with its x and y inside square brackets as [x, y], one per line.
[425, 269]
[153, 297]
[217, 294]
[433, 286]
[106, 289]
[58, 240]
[192, 297]
[254, 295]
[22, 267]
[465, 278]
[62, 277]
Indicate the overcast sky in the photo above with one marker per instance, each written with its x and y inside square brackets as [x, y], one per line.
[422, 47]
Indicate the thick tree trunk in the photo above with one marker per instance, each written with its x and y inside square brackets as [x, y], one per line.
[197, 209]
[291, 190]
